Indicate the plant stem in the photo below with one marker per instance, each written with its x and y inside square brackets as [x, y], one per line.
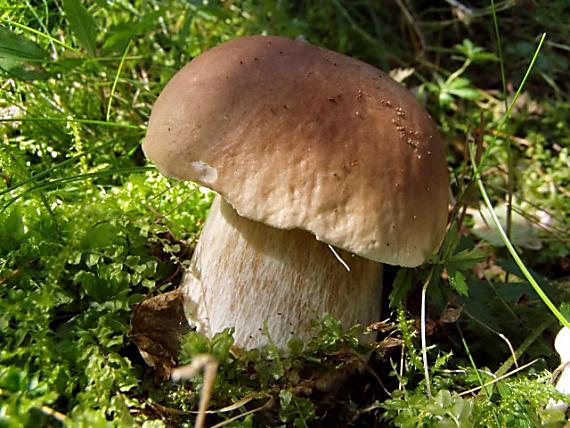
[116, 80]
[510, 163]
[534, 334]
[507, 114]
[510, 246]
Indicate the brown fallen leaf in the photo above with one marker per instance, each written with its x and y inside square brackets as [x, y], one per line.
[157, 326]
[389, 343]
[451, 314]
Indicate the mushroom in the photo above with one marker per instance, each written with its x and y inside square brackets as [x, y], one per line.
[325, 168]
[562, 346]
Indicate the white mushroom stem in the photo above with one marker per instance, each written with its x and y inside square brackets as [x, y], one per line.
[562, 346]
[263, 280]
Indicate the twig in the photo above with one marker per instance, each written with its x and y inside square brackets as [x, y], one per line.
[204, 362]
[44, 409]
[534, 334]
[54, 414]
[469, 391]
[339, 258]
[229, 408]
[423, 331]
[498, 333]
[460, 6]
[401, 373]
[266, 405]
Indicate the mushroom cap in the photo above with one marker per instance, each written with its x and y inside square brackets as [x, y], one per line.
[300, 137]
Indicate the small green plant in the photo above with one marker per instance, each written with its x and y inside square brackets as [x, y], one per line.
[456, 86]
[415, 409]
[69, 277]
[284, 382]
[463, 396]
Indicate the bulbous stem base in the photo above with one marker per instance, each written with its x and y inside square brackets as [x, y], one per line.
[270, 284]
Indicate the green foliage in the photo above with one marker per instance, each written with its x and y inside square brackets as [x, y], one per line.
[19, 48]
[518, 403]
[294, 410]
[70, 275]
[415, 409]
[292, 381]
[218, 346]
[19, 57]
[287, 379]
[455, 86]
[82, 24]
[458, 263]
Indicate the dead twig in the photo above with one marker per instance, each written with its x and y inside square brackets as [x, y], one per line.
[209, 365]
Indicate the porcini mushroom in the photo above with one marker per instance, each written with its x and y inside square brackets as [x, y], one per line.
[562, 346]
[325, 169]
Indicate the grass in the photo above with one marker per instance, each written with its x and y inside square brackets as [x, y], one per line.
[88, 229]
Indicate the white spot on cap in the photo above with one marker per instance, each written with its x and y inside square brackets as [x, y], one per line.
[208, 174]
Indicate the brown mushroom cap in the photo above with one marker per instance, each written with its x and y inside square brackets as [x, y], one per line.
[300, 137]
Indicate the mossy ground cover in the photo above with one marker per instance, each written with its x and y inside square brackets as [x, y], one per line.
[88, 228]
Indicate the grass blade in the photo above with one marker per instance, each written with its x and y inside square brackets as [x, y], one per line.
[507, 114]
[70, 179]
[500, 54]
[84, 121]
[509, 245]
[116, 80]
[55, 166]
[40, 34]
[82, 24]
[510, 167]
[524, 79]
[16, 47]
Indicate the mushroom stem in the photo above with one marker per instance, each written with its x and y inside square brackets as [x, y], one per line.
[253, 277]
